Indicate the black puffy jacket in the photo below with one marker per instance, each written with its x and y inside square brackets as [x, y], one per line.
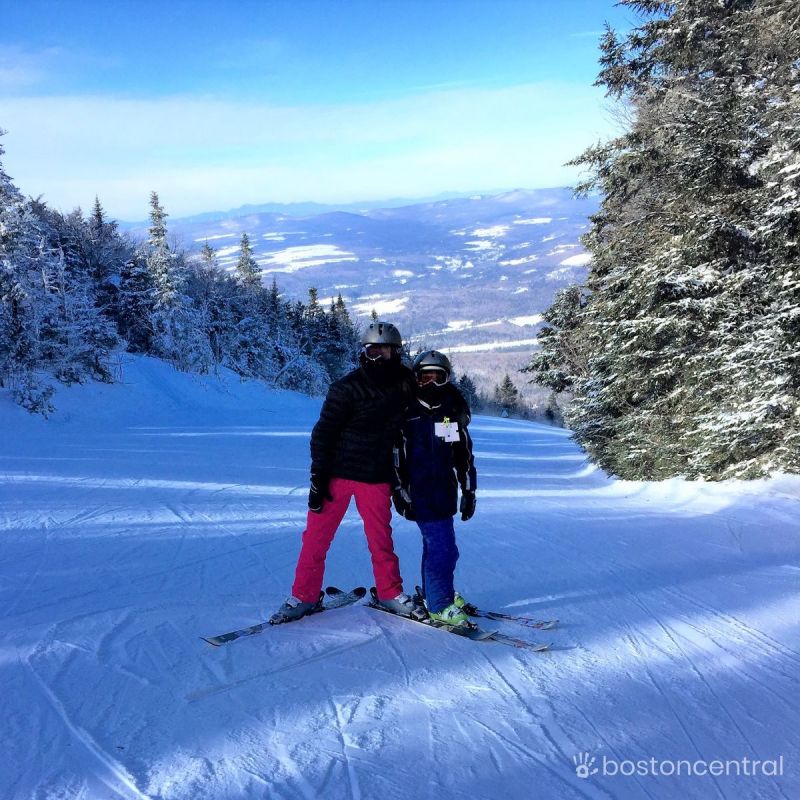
[359, 423]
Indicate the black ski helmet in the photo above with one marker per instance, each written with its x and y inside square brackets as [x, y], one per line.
[432, 359]
[382, 333]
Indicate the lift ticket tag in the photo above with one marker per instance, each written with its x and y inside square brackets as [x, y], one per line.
[447, 430]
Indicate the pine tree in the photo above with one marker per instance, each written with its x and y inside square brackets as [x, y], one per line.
[24, 299]
[160, 259]
[561, 358]
[77, 339]
[97, 219]
[506, 395]
[314, 324]
[179, 328]
[340, 310]
[247, 270]
[49, 317]
[18, 352]
[687, 356]
[273, 302]
[104, 253]
[136, 303]
[344, 332]
[340, 342]
[552, 412]
[467, 388]
[208, 257]
[212, 291]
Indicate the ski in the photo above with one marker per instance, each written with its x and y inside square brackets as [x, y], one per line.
[475, 633]
[336, 599]
[523, 644]
[472, 610]
[499, 616]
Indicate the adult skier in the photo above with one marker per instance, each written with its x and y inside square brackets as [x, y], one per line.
[351, 456]
[434, 456]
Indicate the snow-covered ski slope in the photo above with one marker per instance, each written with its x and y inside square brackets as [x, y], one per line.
[150, 512]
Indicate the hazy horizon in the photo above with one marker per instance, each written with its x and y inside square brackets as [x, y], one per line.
[215, 106]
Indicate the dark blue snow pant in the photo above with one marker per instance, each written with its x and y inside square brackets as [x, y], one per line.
[439, 556]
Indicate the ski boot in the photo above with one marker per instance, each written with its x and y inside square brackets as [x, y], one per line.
[453, 616]
[460, 601]
[294, 609]
[402, 605]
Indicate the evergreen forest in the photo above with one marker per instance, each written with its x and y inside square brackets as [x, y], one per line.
[680, 355]
[74, 291]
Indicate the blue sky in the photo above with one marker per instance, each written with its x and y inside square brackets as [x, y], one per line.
[217, 104]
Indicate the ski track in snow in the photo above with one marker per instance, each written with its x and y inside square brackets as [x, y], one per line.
[147, 514]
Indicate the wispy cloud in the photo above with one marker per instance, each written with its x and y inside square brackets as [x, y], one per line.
[205, 153]
[22, 69]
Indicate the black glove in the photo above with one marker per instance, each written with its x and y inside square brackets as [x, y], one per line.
[402, 504]
[319, 493]
[467, 508]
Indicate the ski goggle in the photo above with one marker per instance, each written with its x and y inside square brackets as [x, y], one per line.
[436, 376]
[375, 352]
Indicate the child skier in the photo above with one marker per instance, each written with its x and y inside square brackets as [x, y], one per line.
[434, 456]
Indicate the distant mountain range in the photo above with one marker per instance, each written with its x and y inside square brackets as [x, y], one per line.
[470, 276]
[303, 209]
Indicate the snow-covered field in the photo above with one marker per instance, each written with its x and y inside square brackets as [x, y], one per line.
[490, 347]
[150, 512]
[303, 256]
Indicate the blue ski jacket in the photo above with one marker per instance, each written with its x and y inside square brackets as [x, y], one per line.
[428, 468]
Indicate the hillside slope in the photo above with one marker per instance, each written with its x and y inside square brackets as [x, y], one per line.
[148, 513]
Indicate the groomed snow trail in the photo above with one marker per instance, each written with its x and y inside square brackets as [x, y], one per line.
[148, 513]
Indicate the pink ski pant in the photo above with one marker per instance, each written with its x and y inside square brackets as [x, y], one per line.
[373, 501]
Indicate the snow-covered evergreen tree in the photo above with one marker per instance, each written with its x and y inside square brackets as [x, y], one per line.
[161, 261]
[135, 304]
[18, 348]
[179, 328]
[312, 324]
[76, 339]
[561, 358]
[106, 253]
[247, 270]
[72, 287]
[343, 340]
[506, 395]
[253, 351]
[212, 290]
[687, 358]
[467, 387]
[50, 321]
[77, 335]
